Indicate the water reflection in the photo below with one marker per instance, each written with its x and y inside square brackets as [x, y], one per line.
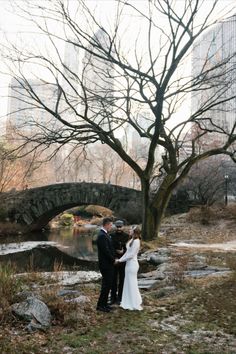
[74, 242]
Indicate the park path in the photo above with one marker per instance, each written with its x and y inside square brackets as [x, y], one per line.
[224, 246]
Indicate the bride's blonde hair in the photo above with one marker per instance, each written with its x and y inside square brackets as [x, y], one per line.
[136, 234]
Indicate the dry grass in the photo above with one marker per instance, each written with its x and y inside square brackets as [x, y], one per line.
[98, 210]
[231, 264]
[188, 227]
[9, 286]
[205, 305]
[8, 228]
[206, 215]
[179, 267]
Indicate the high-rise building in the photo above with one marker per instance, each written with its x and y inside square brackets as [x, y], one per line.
[25, 115]
[215, 46]
[98, 83]
[27, 123]
[71, 69]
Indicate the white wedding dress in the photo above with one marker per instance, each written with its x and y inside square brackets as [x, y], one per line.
[131, 298]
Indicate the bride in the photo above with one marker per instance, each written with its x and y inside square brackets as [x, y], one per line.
[131, 298]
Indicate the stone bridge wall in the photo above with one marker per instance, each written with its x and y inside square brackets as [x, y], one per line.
[35, 207]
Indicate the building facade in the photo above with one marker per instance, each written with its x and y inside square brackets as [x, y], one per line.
[213, 62]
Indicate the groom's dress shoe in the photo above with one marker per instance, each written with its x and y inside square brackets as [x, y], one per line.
[103, 309]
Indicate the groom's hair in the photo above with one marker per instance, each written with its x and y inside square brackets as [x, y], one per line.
[106, 221]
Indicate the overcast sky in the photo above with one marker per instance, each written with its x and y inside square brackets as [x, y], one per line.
[13, 27]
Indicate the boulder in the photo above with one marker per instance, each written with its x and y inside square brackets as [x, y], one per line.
[35, 311]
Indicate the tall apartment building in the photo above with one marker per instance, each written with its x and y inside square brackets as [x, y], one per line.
[99, 82]
[70, 83]
[26, 120]
[25, 116]
[214, 46]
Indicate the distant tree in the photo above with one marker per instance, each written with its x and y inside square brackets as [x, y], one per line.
[129, 67]
[205, 182]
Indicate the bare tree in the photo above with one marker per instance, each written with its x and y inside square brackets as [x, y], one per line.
[124, 74]
[205, 182]
[15, 173]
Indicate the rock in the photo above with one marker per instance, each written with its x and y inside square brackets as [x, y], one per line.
[82, 299]
[147, 283]
[212, 271]
[164, 251]
[35, 311]
[23, 295]
[155, 274]
[66, 292]
[198, 258]
[156, 259]
[72, 278]
[196, 265]
[165, 267]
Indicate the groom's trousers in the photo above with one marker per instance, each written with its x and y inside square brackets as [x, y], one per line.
[107, 279]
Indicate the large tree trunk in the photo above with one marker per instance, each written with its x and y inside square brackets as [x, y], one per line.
[149, 214]
[154, 208]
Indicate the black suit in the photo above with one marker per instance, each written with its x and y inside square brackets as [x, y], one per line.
[119, 240]
[106, 258]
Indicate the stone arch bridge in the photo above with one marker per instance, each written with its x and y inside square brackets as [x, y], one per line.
[34, 208]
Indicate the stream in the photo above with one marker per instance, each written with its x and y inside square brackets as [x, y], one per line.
[69, 240]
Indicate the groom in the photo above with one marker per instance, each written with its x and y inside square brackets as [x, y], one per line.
[106, 259]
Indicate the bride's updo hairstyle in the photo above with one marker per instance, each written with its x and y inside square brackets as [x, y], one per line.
[136, 234]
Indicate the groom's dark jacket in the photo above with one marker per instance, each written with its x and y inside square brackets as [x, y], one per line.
[106, 253]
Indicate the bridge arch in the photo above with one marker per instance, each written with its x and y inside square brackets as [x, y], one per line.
[35, 207]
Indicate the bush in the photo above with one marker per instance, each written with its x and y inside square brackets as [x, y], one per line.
[206, 214]
[231, 208]
[80, 210]
[9, 228]
[231, 264]
[179, 267]
[97, 210]
[66, 219]
[90, 210]
[203, 215]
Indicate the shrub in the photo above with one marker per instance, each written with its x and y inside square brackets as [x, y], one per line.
[179, 267]
[203, 215]
[9, 286]
[97, 210]
[8, 228]
[231, 208]
[80, 210]
[60, 309]
[66, 219]
[96, 221]
[206, 214]
[231, 264]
